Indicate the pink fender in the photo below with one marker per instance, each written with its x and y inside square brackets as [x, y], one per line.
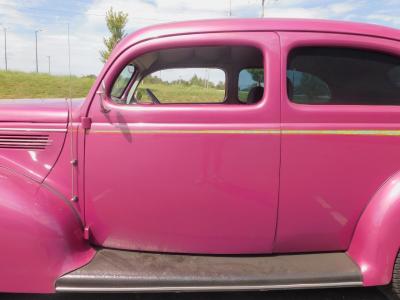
[41, 236]
[376, 240]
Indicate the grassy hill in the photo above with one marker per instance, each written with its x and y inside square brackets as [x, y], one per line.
[40, 85]
[177, 93]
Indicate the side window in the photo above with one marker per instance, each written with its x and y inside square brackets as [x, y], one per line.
[193, 75]
[343, 76]
[251, 85]
[307, 88]
[182, 85]
[122, 82]
[394, 75]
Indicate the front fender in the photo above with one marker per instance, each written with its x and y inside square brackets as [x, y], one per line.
[376, 240]
[41, 236]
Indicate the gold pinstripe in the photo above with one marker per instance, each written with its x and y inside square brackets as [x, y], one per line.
[254, 131]
[342, 132]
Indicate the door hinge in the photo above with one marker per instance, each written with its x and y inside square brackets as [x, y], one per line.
[86, 122]
[86, 233]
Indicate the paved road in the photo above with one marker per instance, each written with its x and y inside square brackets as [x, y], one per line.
[331, 294]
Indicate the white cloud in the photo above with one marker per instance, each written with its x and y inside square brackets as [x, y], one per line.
[298, 9]
[295, 12]
[10, 14]
[385, 17]
[343, 7]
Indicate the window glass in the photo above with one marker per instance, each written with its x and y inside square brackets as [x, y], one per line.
[182, 85]
[394, 75]
[343, 76]
[122, 81]
[251, 85]
[307, 88]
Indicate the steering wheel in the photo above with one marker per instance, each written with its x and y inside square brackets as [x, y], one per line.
[153, 97]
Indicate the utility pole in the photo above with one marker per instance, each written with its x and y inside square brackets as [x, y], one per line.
[206, 78]
[5, 46]
[36, 47]
[48, 57]
[230, 8]
[69, 52]
[262, 7]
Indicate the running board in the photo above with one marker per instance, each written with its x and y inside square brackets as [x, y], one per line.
[128, 271]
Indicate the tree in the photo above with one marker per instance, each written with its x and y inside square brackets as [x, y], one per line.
[116, 22]
[257, 75]
[195, 80]
[220, 85]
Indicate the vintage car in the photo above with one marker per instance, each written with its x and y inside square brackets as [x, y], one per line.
[218, 155]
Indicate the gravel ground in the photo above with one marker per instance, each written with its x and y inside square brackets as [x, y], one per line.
[326, 294]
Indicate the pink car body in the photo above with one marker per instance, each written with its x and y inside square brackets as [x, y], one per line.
[196, 179]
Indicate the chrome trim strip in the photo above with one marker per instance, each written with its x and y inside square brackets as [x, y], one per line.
[24, 140]
[211, 288]
[23, 143]
[35, 129]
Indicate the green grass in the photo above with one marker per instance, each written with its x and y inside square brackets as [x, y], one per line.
[38, 85]
[33, 85]
[178, 93]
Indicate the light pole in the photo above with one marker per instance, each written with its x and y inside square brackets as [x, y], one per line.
[48, 57]
[230, 8]
[37, 65]
[5, 45]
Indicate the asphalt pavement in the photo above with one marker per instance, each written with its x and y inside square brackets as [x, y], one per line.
[325, 294]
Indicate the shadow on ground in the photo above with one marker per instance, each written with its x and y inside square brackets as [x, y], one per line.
[326, 294]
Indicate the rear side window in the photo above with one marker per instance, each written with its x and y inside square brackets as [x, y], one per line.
[343, 76]
[251, 85]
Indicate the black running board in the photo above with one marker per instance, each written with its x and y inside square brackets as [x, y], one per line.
[127, 271]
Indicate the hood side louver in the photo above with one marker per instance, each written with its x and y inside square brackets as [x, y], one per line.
[24, 141]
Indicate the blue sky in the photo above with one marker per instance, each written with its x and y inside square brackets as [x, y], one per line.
[87, 25]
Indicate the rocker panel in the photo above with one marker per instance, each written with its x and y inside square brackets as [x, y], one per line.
[126, 271]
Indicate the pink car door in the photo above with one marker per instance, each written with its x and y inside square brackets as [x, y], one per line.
[186, 177]
[340, 135]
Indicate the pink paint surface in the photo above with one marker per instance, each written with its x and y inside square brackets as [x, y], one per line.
[186, 193]
[41, 236]
[376, 240]
[328, 180]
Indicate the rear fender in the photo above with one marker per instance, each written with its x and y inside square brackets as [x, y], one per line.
[376, 240]
[41, 236]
